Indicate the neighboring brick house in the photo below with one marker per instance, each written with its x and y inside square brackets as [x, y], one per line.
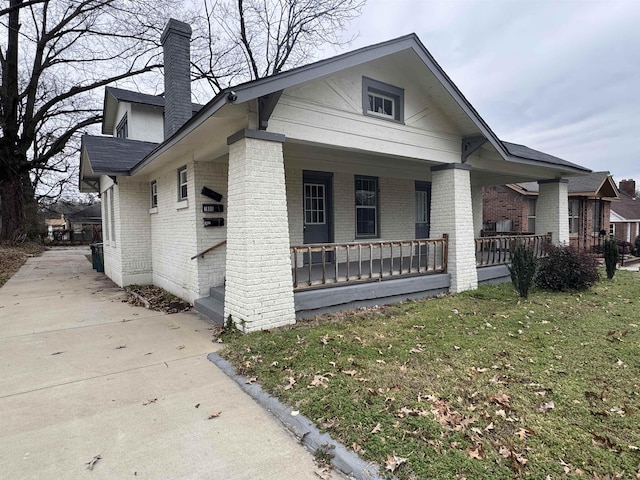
[625, 213]
[307, 172]
[512, 208]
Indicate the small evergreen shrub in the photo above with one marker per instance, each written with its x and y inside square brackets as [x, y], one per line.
[566, 268]
[611, 257]
[637, 244]
[523, 269]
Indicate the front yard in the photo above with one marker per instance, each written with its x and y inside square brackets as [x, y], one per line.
[476, 386]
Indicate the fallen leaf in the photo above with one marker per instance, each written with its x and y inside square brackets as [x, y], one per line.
[477, 453]
[325, 339]
[319, 380]
[120, 346]
[251, 380]
[393, 462]
[376, 429]
[197, 405]
[214, 415]
[150, 401]
[91, 463]
[180, 347]
[56, 353]
[292, 382]
[324, 473]
[351, 373]
[547, 406]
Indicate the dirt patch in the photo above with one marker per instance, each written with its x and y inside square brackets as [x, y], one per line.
[156, 298]
[13, 256]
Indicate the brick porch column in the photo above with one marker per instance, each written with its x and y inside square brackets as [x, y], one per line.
[259, 286]
[552, 210]
[451, 212]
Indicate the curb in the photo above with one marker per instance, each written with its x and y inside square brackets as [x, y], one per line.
[346, 461]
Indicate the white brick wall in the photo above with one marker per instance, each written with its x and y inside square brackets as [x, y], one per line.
[551, 211]
[451, 212]
[173, 234]
[259, 289]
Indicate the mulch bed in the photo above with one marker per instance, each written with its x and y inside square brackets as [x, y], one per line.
[155, 298]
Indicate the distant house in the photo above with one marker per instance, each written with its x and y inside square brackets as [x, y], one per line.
[57, 228]
[86, 225]
[512, 208]
[355, 180]
[625, 214]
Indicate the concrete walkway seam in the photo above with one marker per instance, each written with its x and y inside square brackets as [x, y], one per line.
[344, 460]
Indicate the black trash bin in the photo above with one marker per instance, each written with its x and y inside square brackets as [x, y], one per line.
[93, 255]
[99, 257]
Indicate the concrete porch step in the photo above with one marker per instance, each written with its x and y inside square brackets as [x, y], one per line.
[217, 293]
[212, 308]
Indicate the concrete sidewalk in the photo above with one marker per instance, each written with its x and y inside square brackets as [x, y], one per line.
[84, 374]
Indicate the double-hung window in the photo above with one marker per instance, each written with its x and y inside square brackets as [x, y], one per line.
[531, 217]
[122, 130]
[382, 100]
[574, 215]
[366, 206]
[182, 183]
[154, 194]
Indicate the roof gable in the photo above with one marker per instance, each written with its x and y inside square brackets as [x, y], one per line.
[594, 184]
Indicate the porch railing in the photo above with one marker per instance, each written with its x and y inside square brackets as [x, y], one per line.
[333, 263]
[496, 250]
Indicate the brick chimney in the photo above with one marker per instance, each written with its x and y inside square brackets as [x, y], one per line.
[177, 77]
[628, 187]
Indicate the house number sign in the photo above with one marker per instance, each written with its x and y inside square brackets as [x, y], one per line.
[213, 222]
[212, 208]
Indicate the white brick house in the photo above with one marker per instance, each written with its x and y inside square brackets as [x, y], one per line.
[354, 155]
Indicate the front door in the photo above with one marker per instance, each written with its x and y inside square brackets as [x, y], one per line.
[423, 209]
[317, 196]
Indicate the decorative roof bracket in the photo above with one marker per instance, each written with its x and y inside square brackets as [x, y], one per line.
[266, 105]
[470, 145]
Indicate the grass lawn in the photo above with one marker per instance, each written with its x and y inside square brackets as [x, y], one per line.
[478, 385]
[12, 257]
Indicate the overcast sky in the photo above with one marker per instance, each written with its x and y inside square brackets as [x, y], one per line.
[561, 76]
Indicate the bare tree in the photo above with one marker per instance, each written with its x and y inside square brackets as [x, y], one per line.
[242, 40]
[57, 55]
[54, 56]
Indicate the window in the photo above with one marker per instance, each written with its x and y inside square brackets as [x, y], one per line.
[154, 194]
[122, 130]
[112, 216]
[182, 183]
[382, 100]
[597, 216]
[314, 204]
[105, 217]
[366, 207]
[574, 215]
[531, 216]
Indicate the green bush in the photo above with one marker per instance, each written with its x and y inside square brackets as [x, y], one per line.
[523, 269]
[566, 268]
[637, 243]
[611, 256]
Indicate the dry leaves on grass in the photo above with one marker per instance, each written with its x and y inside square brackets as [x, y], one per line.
[393, 462]
[155, 298]
[319, 381]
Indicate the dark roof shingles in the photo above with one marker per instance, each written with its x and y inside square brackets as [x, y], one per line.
[115, 155]
[530, 154]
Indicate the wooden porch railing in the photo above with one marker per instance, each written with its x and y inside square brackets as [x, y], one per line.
[334, 263]
[496, 250]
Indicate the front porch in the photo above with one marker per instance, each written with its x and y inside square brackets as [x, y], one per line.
[356, 275]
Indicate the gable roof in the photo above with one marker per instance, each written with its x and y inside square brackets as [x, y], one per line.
[594, 184]
[91, 214]
[628, 208]
[113, 155]
[113, 95]
[258, 88]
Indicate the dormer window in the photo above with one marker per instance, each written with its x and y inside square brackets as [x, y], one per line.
[382, 100]
[122, 130]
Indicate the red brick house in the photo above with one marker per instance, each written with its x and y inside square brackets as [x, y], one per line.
[625, 213]
[511, 209]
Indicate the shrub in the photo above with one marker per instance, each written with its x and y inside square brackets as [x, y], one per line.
[637, 244]
[523, 269]
[566, 268]
[611, 257]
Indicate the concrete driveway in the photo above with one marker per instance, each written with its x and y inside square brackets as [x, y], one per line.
[84, 374]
